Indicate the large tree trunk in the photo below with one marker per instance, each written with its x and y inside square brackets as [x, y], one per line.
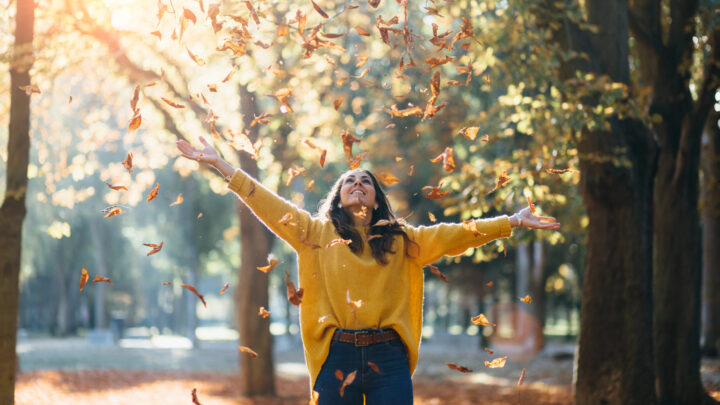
[257, 375]
[615, 342]
[12, 211]
[710, 195]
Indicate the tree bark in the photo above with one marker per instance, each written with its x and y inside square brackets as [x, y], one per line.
[257, 375]
[615, 342]
[12, 211]
[710, 161]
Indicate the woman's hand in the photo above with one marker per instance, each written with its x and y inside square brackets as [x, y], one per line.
[526, 218]
[206, 155]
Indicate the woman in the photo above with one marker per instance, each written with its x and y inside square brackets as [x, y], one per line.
[361, 271]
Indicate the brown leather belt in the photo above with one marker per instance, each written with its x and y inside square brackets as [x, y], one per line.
[365, 338]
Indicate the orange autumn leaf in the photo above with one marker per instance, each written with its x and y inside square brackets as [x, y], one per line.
[172, 103]
[157, 34]
[128, 162]
[179, 200]
[531, 205]
[355, 163]
[432, 217]
[134, 99]
[200, 215]
[189, 15]
[292, 173]
[247, 350]
[282, 95]
[434, 270]
[339, 375]
[338, 241]
[153, 193]
[285, 220]
[447, 158]
[348, 140]
[489, 284]
[261, 119]
[490, 352]
[30, 89]
[387, 178]
[560, 171]
[363, 74]
[198, 60]
[167, 283]
[526, 299]
[481, 320]
[194, 291]
[241, 142]
[293, 295]
[502, 179]
[135, 122]
[99, 279]
[310, 185]
[213, 88]
[522, 378]
[435, 62]
[374, 367]
[485, 138]
[496, 363]
[263, 313]
[471, 225]
[224, 288]
[461, 369]
[114, 211]
[319, 10]
[269, 267]
[435, 193]
[469, 132]
[348, 380]
[361, 31]
[252, 11]
[228, 76]
[116, 187]
[155, 247]
[412, 169]
[338, 102]
[84, 276]
[412, 110]
[323, 152]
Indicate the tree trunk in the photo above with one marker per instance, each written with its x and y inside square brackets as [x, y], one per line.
[99, 321]
[12, 211]
[257, 375]
[710, 196]
[615, 342]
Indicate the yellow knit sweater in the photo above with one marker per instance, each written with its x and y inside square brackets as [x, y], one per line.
[392, 295]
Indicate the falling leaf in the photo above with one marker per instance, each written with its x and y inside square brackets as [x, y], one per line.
[323, 152]
[374, 3]
[496, 363]
[264, 313]
[282, 95]
[242, 142]
[261, 119]
[102, 279]
[471, 225]
[30, 89]
[83, 278]
[447, 158]
[293, 295]
[490, 352]
[135, 122]
[155, 247]
[531, 205]
[412, 110]
[195, 399]
[410, 172]
[310, 185]
[228, 76]
[355, 163]
[153, 193]
[432, 217]
[224, 288]
[292, 173]
[489, 284]
[522, 378]
[354, 304]
[247, 350]
[211, 87]
[398, 158]
[269, 267]
[339, 375]
[526, 299]
[387, 179]
[363, 74]
[128, 162]
[338, 241]
[134, 99]
[200, 215]
[348, 380]
[167, 283]
[70, 100]
[348, 140]
[179, 200]
[560, 171]
[189, 15]
[469, 132]
[361, 31]
[502, 179]
[194, 291]
[114, 211]
[435, 193]
[116, 187]
[338, 102]
[461, 369]
[198, 60]
[172, 103]
[435, 62]
[481, 320]
[252, 11]
[157, 34]
[319, 10]
[434, 270]
[374, 367]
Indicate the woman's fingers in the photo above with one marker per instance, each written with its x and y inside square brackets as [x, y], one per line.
[547, 219]
[204, 141]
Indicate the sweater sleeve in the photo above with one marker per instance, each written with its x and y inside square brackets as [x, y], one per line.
[289, 222]
[453, 239]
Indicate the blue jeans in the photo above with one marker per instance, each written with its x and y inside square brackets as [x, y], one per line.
[392, 385]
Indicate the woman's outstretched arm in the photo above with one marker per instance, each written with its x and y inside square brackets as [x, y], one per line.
[454, 238]
[292, 224]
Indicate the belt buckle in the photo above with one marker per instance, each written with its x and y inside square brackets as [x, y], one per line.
[358, 334]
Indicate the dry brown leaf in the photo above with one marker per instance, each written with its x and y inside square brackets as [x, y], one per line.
[387, 178]
[490, 352]
[434, 270]
[348, 380]
[84, 276]
[194, 291]
[153, 193]
[355, 163]
[319, 10]
[361, 31]
[481, 320]
[116, 187]
[172, 103]
[432, 217]
[526, 299]
[99, 279]
[374, 367]
[338, 102]
[435, 193]
[189, 15]
[179, 200]
[461, 369]
[247, 350]
[502, 179]
[269, 267]
[522, 378]
[195, 399]
[263, 313]
[293, 295]
[155, 247]
[135, 122]
[224, 288]
[469, 132]
[114, 211]
[198, 60]
[496, 363]
[447, 158]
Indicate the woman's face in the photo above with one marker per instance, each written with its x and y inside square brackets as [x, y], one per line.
[357, 189]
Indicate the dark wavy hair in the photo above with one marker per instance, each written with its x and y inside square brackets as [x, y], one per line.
[343, 223]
